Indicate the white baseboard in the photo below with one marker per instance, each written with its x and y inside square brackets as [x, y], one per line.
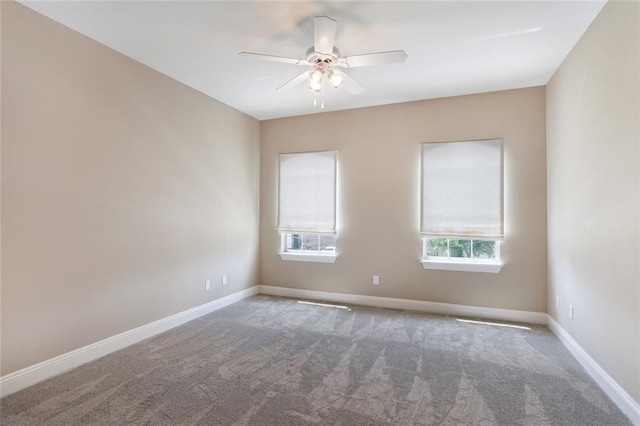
[26, 377]
[620, 397]
[414, 305]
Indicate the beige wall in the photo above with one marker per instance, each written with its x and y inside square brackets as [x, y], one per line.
[122, 191]
[378, 198]
[593, 181]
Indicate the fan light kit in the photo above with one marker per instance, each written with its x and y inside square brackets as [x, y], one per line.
[323, 58]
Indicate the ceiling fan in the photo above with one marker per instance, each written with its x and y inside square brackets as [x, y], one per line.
[323, 59]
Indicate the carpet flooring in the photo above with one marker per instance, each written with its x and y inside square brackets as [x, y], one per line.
[277, 361]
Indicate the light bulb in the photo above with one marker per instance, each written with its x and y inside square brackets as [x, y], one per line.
[315, 75]
[315, 85]
[335, 80]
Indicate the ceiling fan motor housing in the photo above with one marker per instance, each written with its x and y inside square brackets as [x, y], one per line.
[322, 61]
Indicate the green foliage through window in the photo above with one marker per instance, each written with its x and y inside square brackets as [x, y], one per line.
[447, 247]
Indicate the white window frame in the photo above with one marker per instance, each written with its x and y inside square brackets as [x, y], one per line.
[463, 264]
[320, 256]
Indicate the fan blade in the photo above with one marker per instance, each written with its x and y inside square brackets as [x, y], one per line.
[324, 34]
[349, 84]
[294, 81]
[276, 58]
[380, 58]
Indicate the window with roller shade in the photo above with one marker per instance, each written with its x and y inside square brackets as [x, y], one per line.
[307, 206]
[462, 219]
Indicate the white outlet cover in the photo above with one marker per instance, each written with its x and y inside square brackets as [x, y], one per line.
[207, 284]
[376, 280]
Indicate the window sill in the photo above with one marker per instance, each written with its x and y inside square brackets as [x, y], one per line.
[309, 257]
[453, 265]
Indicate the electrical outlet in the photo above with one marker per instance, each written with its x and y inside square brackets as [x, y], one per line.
[207, 285]
[224, 280]
[557, 301]
[376, 280]
[571, 311]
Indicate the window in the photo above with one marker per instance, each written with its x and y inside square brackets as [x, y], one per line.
[447, 248]
[462, 208]
[309, 243]
[461, 254]
[307, 206]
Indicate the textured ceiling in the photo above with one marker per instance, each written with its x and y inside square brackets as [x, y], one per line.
[454, 48]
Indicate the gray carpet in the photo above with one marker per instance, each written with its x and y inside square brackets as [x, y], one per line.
[274, 361]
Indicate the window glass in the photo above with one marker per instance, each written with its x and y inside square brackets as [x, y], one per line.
[484, 249]
[309, 243]
[449, 248]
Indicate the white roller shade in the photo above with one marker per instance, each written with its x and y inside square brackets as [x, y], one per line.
[462, 190]
[307, 193]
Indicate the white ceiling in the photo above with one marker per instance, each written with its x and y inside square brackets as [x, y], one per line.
[453, 47]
